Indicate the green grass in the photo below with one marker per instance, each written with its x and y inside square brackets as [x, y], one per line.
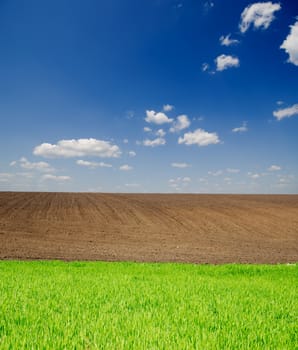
[96, 305]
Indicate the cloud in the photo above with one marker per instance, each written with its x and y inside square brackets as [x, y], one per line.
[227, 41]
[182, 122]
[226, 61]
[215, 173]
[132, 185]
[232, 171]
[93, 164]
[242, 128]
[78, 148]
[60, 178]
[290, 44]
[168, 108]
[125, 141]
[146, 129]
[179, 182]
[286, 112]
[39, 166]
[254, 176]
[199, 137]
[132, 153]
[157, 118]
[260, 15]
[125, 167]
[160, 133]
[5, 177]
[274, 168]
[154, 143]
[205, 67]
[180, 165]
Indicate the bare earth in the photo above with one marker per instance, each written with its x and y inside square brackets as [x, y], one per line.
[149, 227]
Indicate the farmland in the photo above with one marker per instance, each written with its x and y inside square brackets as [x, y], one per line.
[97, 305]
[149, 227]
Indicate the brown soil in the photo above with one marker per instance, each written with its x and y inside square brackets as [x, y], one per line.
[149, 227]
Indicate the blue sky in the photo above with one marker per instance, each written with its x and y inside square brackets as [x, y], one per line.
[149, 96]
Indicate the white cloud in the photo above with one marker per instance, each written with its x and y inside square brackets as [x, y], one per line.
[157, 118]
[132, 185]
[125, 167]
[146, 129]
[274, 168]
[168, 108]
[205, 67]
[125, 141]
[182, 122]
[179, 182]
[199, 137]
[242, 128]
[215, 173]
[154, 143]
[78, 148]
[56, 178]
[160, 133]
[180, 165]
[132, 153]
[290, 44]
[232, 171]
[279, 103]
[39, 166]
[254, 176]
[93, 164]
[227, 41]
[286, 112]
[259, 14]
[226, 61]
[5, 177]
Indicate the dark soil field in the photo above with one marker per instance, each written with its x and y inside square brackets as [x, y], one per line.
[149, 227]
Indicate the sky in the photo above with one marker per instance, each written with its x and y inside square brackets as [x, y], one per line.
[167, 96]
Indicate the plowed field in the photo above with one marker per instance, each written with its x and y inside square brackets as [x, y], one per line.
[149, 227]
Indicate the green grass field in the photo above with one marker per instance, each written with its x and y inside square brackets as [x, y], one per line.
[96, 305]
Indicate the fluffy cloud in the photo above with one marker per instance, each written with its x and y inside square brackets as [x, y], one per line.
[199, 137]
[227, 41]
[132, 153]
[78, 148]
[242, 128]
[254, 176]
[286, 112]
[180, 165]
[226, 61]
[274, 168]
[160, 133]
[215, 173]
[232, 171]
[39, 166]
[168, 108]
[179, 182]
[125, 167]
[157, 118]
[60, 178]
[290, 44]
[260, 15]
[146, 129]
[182, 122]
[93, 164]
[154, 143]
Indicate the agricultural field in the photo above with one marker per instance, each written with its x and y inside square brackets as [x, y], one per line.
[149, 227]
[101, 305]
